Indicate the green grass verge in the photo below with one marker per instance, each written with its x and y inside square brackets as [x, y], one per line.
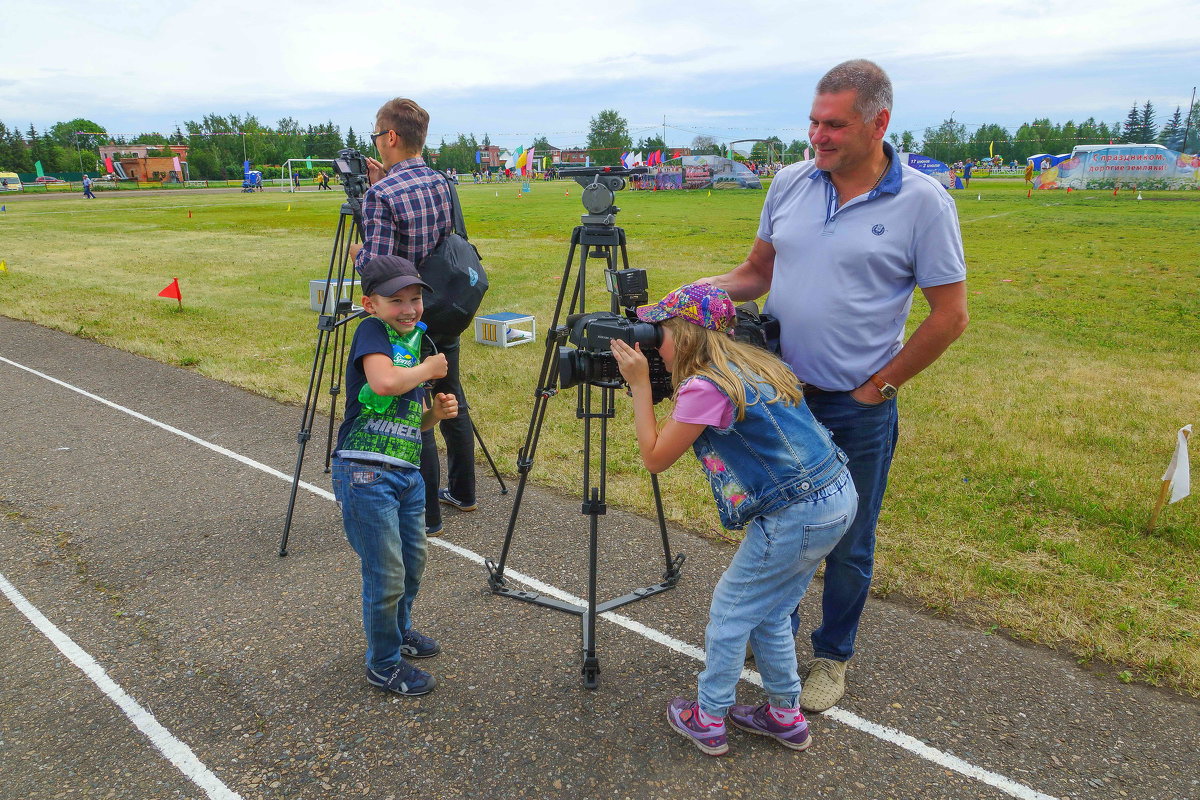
[1031, 452]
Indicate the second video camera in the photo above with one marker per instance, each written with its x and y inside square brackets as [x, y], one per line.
[591, 359]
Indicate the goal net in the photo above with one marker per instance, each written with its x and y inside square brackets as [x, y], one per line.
[300, 174]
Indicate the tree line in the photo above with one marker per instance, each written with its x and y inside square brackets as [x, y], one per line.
[219, 144]
[949, 142]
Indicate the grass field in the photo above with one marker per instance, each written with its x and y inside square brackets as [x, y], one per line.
[1030, 456]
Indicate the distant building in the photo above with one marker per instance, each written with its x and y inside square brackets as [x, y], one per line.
[489, 157]
[570, 155]
[115, 151]
[138, 165]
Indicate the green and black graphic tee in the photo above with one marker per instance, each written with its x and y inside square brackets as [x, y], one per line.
[383, 429]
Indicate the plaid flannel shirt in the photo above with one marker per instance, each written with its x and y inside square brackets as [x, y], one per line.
[405, 214]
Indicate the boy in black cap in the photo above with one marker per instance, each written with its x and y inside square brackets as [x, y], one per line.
[376, 468]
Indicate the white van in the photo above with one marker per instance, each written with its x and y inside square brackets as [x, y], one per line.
[9, 182]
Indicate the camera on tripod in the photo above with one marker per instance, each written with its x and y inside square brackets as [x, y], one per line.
[591, 359]
[351, 167]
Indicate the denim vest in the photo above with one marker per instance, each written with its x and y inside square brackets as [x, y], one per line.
[777, 454]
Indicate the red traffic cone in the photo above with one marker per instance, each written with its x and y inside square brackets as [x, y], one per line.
[1115, 190]
[189, 214]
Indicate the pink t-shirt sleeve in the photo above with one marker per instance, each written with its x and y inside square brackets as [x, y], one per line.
[700, 402]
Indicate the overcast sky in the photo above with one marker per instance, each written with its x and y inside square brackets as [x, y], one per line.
[520, 70]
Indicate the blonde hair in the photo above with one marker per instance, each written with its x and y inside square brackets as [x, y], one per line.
[700, 352]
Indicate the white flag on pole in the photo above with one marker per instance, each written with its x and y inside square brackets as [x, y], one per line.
[1179, 473]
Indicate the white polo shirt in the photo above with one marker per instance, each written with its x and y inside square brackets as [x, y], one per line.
[844, 277]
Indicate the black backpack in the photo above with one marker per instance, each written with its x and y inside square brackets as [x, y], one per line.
[455, 272]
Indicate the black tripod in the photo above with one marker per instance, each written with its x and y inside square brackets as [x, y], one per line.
[598, 237]
[336, 311]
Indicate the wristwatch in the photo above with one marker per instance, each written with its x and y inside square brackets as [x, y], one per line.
[886, 389]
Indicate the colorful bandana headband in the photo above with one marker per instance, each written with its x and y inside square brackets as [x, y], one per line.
[698, 303]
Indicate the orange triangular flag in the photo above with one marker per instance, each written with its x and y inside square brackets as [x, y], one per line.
[172, 291]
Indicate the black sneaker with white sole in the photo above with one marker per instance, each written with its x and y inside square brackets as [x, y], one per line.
[403, 679]
[450, 500]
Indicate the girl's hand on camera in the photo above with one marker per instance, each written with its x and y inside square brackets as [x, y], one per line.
[633, 365]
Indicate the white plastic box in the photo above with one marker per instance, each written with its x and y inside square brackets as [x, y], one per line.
[500, 329]
[319, 303]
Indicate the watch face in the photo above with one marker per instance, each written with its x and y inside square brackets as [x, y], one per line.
[888, 391]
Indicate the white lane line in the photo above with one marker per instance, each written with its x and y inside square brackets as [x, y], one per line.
[172, 749]
[848, 718]
[988, 216]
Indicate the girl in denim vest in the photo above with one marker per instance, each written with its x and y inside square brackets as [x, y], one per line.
[774, 472]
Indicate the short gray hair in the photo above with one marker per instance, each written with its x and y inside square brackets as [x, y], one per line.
[865, 77]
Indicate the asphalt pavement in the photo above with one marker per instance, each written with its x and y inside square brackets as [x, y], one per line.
[212, 667]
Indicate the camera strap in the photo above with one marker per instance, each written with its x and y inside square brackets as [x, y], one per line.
[456, 215]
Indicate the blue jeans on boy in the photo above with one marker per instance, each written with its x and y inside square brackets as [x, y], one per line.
[763, 583]
[867, 434]
[383, 511]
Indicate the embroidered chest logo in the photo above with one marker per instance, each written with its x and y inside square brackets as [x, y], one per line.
[878, 230]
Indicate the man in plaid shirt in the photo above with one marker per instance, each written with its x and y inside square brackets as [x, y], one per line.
[406, 212]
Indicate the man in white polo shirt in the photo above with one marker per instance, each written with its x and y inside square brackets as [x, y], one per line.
[843, 242]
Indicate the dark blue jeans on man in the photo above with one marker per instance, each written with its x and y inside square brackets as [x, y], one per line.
[459, 437]
[867, 433]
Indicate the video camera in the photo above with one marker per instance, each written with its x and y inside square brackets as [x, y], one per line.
[591, 360]
[351, 167]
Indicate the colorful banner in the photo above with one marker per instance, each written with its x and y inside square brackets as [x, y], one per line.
[933, 168]
[713, 172]
[1141, 166]
[38, 166]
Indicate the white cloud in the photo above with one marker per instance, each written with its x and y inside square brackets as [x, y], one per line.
[142, 58]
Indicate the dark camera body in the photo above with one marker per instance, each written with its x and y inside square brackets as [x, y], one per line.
[591, 360]
[351, 167]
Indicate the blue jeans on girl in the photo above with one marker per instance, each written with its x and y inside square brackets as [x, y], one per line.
[383, 511]
[763, 584]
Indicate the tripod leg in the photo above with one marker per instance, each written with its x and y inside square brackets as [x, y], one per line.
[333, 316]
[671, 574]
[590, 667]
[335, 389]
[488, 456]
[305, 433]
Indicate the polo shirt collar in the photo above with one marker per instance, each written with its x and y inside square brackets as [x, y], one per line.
[891, 181]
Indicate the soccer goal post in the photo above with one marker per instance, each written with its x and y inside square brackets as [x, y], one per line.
[292, 180]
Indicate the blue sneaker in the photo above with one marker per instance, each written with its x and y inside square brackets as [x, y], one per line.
[418, 645]
[450, 500]
[757, 719]
[683, 715]
[403, 679]
[434, 530]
